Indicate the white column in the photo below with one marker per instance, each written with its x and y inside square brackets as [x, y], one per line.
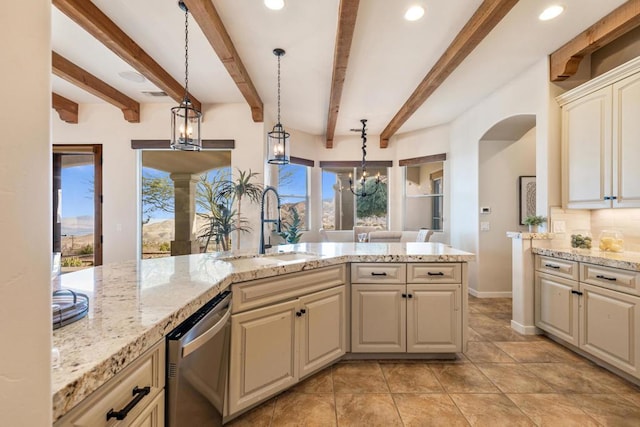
[185, 242]
[25, 216]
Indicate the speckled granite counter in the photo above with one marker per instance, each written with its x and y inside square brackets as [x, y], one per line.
[624, 260]
[135, 304]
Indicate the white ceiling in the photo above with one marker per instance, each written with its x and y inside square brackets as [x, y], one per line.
[389, 56]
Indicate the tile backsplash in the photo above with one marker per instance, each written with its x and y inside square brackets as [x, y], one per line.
[626, 221]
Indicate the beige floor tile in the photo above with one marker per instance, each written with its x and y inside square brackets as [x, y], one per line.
[363, 377]
[633, 398]
[463, 378]
[472, 335]
[608, 409]
[478, 352]
[569, 378]
[410, 378]
[495, 410]
[366, 410]
[533, 352]
[552, 409]
[304, 409]
[613, 382]
[428, 410]
[514, 378]
[260, 416]
[322, 382]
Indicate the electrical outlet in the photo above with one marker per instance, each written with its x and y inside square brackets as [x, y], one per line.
[485, 226]
[485, 210]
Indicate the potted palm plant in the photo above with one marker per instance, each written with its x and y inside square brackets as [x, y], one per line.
[291, 230]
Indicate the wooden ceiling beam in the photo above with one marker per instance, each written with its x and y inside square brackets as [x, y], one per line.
[67, 109]
[69, 71]
[565, 61]
[96, 23]
[485, 18]
[348, 12]
[211, 25]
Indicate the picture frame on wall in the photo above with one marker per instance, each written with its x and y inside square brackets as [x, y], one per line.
[526, 196]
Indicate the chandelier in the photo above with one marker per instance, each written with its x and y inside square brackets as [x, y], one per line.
[278, 138]
[185, 119]
[362, 191]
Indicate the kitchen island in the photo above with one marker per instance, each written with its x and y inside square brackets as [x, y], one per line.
[133, 305]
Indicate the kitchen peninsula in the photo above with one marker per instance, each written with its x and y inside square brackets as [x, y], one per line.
[134, 305]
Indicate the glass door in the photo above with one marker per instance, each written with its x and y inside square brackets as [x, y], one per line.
[77, 207]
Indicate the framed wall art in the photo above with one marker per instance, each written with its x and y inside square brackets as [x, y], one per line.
[527, 196]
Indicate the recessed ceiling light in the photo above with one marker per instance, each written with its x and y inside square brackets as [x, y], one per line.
[132, 76]
[414, 13]
[274, 4]
[551, 12]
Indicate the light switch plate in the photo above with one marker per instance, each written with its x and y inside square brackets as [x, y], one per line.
[559, 227]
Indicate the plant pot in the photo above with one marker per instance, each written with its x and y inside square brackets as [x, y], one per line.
[533, 228]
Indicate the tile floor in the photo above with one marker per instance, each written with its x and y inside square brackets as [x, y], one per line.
[504, 379]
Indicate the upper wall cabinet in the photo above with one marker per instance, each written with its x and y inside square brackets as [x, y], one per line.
[600, 141]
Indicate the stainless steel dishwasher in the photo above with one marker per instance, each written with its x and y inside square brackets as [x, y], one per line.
[197, 365]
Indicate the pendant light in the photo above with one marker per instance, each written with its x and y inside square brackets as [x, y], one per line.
[185, 119]
[362, 191]
[278, 138]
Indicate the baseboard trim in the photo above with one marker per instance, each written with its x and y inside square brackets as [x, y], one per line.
[475, 293]
[525, 330]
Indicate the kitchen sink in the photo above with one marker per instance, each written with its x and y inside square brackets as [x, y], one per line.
[270, 260]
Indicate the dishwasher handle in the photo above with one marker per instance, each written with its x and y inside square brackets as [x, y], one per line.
[198, 342]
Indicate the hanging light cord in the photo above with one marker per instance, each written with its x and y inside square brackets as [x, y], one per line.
[186, 55]
[279, 88]
[364, 149]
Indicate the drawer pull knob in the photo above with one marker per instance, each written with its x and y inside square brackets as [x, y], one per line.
[439, 273]
[410, 295]
[552, 266]
[404, 295]
[373, 273]
[139, 394]
[600, 276]
[298, 314]
[576, 292]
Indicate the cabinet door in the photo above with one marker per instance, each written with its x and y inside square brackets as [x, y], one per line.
[152, 415]
[434, 318]
[586, 151]
[323, 329]
[263, 347]
[626, 150]
[610, 327]
[378, 318]
[556, 306]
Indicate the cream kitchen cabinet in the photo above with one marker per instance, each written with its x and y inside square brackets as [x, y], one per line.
[599, 313]
[134, 397]
[422, 316]
[274, 346]
[600, 130]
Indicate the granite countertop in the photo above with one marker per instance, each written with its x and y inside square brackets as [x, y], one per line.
[623, 260]
[132, 305]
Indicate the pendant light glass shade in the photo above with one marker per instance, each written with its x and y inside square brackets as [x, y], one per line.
[185, 119]
[278, 138]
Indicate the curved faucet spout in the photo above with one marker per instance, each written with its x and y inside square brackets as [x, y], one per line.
[264, 220]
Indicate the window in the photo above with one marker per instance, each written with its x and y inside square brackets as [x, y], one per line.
[293, 187]
[179, 203]
[341, 210]
[423, 189]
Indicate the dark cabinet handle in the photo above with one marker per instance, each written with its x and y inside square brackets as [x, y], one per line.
[373, 273]
[139, 394]
[439, 273]
[303, 311]
[599, 276]
[576, 292]
[410, 295]
[552, 266]
[298, 314]
[404, 295]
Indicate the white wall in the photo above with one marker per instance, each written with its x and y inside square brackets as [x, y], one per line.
[104, 124]
[529, 93]
[25, 217]
[501, 163]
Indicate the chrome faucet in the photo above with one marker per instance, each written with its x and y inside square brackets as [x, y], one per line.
[263, 220]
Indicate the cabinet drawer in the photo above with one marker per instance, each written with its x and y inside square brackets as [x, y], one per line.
[146, 371]
[261, 292]
[557, 267]
[374, 272]
[436, 272]
[613, 278]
